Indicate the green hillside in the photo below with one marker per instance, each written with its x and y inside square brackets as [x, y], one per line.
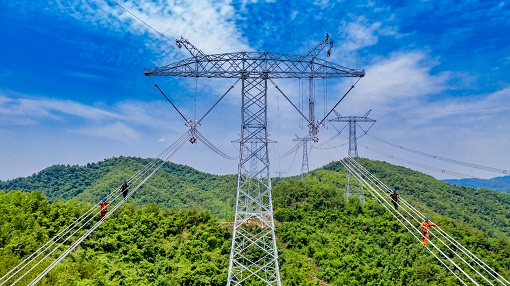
[173, 186]
[182, 187]
[322, 240]
[483, 209]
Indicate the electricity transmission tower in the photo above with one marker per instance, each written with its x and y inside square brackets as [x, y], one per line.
[313, 127]
[352, 121]
[253, 255]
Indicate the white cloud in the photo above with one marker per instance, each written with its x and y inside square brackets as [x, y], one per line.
[362, 33]
[359, 37]
[115, 131]
[32, 110]
[128, 119]
[208, 25]
[83, 75]
[396, 81]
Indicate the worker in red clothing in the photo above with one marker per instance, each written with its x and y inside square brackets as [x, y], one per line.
[103, 205]
[425, 226]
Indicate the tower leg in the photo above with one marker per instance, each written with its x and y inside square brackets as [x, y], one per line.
[353, 187]
[253, 256]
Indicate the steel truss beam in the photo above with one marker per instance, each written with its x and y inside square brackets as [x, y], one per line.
[254, 65]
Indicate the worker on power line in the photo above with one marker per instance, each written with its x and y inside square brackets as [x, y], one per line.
[425, 226]
[124, 188]
[103, 205]
[394, 198]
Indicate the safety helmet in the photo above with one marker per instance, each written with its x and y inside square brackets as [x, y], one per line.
[125, 181]
[426, 218]
[394, 190]
[104, 199]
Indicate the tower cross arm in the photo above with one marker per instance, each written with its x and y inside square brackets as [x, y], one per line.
[352, 118]
[254, 65]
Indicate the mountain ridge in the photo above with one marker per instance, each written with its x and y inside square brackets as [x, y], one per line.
[500, 184]
[179, 186]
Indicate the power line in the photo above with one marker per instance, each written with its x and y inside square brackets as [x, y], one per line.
[456, 174]
[158, 32]
[65, 235]
[486, 168]
[451, 112]
[408, 214]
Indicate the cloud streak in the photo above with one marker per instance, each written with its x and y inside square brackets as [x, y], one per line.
[210, 25]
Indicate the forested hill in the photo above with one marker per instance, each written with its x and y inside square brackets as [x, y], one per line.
[174, 186]
[178, 186]
[501, 184]
[322, 240]
[484, 209]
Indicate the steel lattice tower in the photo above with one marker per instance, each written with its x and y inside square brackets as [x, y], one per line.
[352, 121]
[254, 256]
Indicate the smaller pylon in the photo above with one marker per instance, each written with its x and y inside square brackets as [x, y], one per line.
[354, 189]
[305, 168]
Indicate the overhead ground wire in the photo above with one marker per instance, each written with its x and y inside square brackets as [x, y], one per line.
[462, 259]
[381, 200]
[454, 244]
[83, 237]
[444, 171]
[486, 168]
[375, 193]
[79, 223]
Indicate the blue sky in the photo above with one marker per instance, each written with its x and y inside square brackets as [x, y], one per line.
[72, 88]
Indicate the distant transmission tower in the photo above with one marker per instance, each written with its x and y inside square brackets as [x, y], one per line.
[253, 256]
[305, 168]
[350, 188]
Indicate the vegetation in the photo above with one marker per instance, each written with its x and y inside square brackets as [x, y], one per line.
[322, 239]
[173, 186]
[484, 209]
[136, 246]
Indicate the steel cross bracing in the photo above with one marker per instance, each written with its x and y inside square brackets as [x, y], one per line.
[254, 65]
[254, 256]
[350, 190]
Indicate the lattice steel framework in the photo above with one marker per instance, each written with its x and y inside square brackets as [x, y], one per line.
[254, 255]
[353, 152]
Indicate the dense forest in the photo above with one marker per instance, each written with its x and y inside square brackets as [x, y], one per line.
[175, 186]
[483, 209]
[178, 239]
